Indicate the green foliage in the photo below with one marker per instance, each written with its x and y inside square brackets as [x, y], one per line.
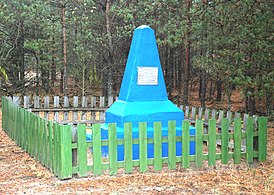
[235, 37]
[230, 40]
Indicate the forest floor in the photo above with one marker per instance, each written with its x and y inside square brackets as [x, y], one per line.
[21, 174]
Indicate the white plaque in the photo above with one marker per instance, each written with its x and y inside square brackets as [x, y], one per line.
[147, 75]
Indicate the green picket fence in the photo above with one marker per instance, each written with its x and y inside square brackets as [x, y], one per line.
[55, 146]
[44, 140]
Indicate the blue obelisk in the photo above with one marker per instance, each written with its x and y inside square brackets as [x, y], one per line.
[143, 96]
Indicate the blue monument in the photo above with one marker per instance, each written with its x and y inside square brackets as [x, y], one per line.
[143, 96]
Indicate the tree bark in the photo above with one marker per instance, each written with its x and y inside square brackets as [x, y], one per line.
[219, 90]
[21, 54]
[53, 64]
[250, 102]
[65, 79]
[202, 87]
[269, 103]
[110, 51]
[187, 54]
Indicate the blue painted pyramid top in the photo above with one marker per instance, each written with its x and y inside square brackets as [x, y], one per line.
[143, 79]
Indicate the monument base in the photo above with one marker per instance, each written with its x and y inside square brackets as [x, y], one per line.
[144, 111]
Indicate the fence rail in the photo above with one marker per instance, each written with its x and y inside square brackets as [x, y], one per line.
[56, 146]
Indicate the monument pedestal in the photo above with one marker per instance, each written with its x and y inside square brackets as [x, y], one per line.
[145, 111]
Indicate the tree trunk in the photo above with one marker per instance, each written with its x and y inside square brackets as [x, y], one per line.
[168, 72]
[202, 87]
[187, 54]
[269, 103]
[65, 79]
[250, 102]
[21, 54]
[211, 90]
[37, 74]
[229, 93]
[219, 90]
[53, 64]
[83, 81]
[110, 51]
[177, 72]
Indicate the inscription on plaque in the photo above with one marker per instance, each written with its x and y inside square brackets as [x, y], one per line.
[147, 76]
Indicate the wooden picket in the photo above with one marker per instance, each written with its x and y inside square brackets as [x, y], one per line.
[52, 143]
[82, 150]
[171, 145]
[185, 144]
[128, 147]
[158, 146]
[96, 147]
[143, 146]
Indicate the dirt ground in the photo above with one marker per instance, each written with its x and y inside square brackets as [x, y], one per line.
[21, 174]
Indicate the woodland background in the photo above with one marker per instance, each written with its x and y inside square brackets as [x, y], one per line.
[215, 48]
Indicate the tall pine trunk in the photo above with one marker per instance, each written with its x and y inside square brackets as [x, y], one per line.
[21, 54]
[219, 84]
[110, 51]
[202, 93]
[187, 54]
[250, 102]
[64, 79]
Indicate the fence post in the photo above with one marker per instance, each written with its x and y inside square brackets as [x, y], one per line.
[237, 140]
[185, 144]
[143, 146]
[16, 100]
[93, 105]
[128, 147]
[158, 146]
[25, 129]
[199, 143]
[110, 101]
[82, 150]
[66, 105]
[84, 105]
[3, 112]
[46, 105]
[212, 142]
[171, 144]
[225, 139]
[45, 153]
[55, 148]
[56, 105]
[112, 149]
[65, 156]
[249, 139]
[200, 114]
[28, 130]
[36, 103]
[101, 105]
[262, 138]
[75, 105]
[96, 149]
